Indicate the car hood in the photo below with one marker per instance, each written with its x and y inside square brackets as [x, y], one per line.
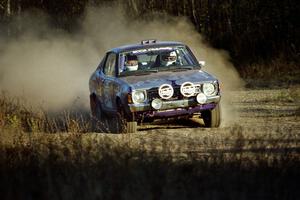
[156, 79]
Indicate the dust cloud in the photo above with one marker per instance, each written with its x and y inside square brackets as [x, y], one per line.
[51, 68]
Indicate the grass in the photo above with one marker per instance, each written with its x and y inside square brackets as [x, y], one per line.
[275, 73]
[80, 166]
[17, 115]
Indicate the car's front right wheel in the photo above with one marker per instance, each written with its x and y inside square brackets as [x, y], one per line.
[99, 119]
[212, 118]
[125, 124]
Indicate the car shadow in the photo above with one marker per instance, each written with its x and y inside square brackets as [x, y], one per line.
[161, 124]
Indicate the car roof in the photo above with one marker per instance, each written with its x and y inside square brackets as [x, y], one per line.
[133, 47]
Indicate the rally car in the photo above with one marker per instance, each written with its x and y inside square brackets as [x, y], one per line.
[152, 80]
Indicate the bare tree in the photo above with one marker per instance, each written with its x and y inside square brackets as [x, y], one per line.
[8, 8]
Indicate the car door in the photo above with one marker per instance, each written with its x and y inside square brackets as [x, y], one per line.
[109, 71]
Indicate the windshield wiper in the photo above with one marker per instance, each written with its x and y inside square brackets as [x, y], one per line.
[138, 73]
[146, 72]
[183, 68]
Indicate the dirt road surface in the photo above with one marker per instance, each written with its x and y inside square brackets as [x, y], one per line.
[256, 120]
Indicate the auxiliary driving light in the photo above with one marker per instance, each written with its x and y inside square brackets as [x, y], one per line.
[188, 89]
[201, 98]
[165, 91]
[156, 104]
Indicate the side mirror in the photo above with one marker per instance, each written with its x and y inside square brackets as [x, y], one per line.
[202, 63]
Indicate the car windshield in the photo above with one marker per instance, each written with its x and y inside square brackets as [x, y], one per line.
[149, 60]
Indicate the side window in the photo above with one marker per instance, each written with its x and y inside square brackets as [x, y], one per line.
[109, 67]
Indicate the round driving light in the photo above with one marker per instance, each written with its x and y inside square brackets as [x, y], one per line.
[187, 89]
[156, 104]
[201, 98]
[138, 96]
[208, 89]
[165, 91]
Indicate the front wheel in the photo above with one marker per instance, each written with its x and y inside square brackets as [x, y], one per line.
[125, 124]
[212, 118]
[99, 119]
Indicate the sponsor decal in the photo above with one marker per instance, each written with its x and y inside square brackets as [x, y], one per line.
[151, 49]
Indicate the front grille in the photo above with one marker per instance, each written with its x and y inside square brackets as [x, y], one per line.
[198, 88]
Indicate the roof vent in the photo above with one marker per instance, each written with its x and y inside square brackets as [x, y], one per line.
[151, 41]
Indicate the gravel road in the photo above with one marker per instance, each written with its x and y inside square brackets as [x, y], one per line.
[254, 120]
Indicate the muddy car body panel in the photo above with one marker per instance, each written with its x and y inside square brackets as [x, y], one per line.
[167, 82]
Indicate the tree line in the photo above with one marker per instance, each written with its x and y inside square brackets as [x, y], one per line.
[251, 30]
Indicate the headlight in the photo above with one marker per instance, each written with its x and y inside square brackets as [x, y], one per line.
[156, 104]
[138, 96]
[209, 89]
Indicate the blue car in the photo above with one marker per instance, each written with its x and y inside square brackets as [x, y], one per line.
[152, 80]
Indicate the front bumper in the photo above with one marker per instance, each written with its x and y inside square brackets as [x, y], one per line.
[182, 104]
[176, 112]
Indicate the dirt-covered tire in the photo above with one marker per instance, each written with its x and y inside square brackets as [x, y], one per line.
[212, 118]
[96, 109]
[98, 117]
[93, 105]
[124, 123]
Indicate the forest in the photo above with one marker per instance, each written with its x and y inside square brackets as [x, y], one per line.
[252, 31]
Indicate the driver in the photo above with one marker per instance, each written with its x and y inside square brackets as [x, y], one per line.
[169, 58]
[132, 63]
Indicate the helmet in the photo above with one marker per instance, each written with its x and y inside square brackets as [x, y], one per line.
[168, 58]
[132, 63]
